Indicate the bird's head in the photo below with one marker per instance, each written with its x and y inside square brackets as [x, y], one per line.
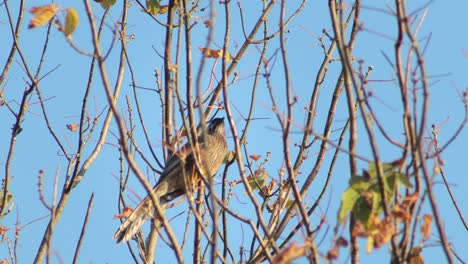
[216, 126]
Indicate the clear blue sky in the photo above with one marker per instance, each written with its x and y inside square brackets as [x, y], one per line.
[447, 63]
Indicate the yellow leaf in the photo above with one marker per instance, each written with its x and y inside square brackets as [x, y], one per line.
[228, 56]
[426, 227]
[163, 9]
[229, 156]
[71, 22]
[42, 14]
[370, 244]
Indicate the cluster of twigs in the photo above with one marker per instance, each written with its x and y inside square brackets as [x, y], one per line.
[384, 204]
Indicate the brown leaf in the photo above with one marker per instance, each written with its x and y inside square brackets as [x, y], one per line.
[341, 242]
[208, 23]
[333, 253]
[267, 190]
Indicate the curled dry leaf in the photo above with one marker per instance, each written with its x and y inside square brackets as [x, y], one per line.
[42, 14]
[333, 253]
[208, 23]
[215, 54]
[72, 127]
[255, 157]
[426, 227]
[125, 213]
[3, 230]
[267, 190]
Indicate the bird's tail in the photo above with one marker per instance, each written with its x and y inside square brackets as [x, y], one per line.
[143, 211]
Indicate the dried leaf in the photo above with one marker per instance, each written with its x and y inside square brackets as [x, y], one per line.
[341, 242]
[216, 54]
[267, 190]
[426, 227]
[415, 256]
[399, 211]
[208, 23]
[125, 213]
[255, 157]
[71, 22]
[290, 253]
[333, 253]
[410, 200]
[3, 230]
[42, 14]
[72, 127]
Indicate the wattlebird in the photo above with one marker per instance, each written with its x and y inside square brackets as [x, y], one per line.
[179, 175]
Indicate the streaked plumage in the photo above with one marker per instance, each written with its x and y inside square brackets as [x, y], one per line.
[172, 184]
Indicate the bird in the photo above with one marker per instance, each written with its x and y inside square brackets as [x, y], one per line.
[172, 183]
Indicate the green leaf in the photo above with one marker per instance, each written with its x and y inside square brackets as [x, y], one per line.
[289, 203]
[362, 210]
[359, 183]
[152, 6]
[107, 3]
[8, 201]
[256, 183]
[348, 200]
[386, 167]
[403, 179]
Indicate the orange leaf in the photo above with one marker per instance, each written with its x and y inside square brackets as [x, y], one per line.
[42, 14]
[125, 213]
[72, 127]
[215, 54]
[426, 227]
[333, 253]
[415, 256]
[3, 230]
[255, 157]
[399, 211]
[410, 200]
